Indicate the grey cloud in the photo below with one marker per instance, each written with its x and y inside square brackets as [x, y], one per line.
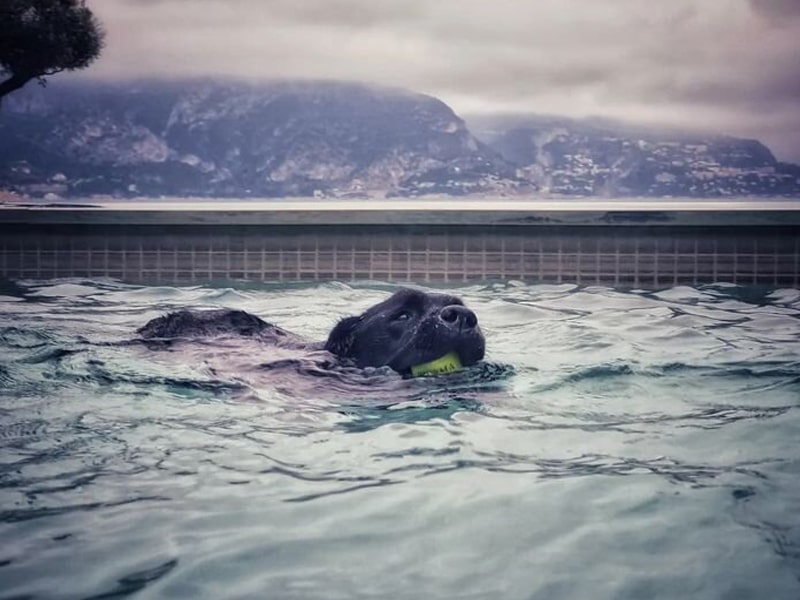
[348, 14]
[728, 64]
[776, 10]
[337, 13]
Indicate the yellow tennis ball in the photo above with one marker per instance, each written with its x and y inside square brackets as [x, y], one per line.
[446, 364]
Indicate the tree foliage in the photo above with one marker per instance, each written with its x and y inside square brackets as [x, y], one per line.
[44, 37]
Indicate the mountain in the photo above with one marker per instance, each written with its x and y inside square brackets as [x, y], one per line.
[203, 138]
[334, 139]
[603, 158]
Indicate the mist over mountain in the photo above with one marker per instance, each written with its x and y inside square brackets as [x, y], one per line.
[333, 139]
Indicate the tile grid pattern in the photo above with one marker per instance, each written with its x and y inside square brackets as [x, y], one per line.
[578, 255]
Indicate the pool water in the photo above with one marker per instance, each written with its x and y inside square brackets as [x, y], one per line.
[619, 444]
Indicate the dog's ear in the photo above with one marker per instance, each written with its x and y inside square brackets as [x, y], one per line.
[340, 341]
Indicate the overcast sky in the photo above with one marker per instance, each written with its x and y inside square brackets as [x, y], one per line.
[728, 65]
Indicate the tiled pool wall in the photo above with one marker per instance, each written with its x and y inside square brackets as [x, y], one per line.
[646, 256]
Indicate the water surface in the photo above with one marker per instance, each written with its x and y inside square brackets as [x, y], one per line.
[619, 445]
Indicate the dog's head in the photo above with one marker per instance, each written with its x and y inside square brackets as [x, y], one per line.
[410, 328]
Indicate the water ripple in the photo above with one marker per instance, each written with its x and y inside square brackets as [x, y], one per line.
[137, 581]
[15, 516]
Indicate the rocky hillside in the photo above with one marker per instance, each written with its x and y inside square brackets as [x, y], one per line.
[240, 140]
[228, 139]
[567, 156]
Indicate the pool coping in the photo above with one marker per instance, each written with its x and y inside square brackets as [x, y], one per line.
[471, 212]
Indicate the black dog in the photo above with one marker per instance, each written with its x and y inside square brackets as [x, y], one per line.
[408, 329]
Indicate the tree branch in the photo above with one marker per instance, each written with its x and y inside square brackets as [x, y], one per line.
[13, 83]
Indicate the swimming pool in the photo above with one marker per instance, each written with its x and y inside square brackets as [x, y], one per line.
[644, 445]
[624, 243]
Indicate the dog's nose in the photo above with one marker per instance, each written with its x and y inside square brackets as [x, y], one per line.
[458, 316]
